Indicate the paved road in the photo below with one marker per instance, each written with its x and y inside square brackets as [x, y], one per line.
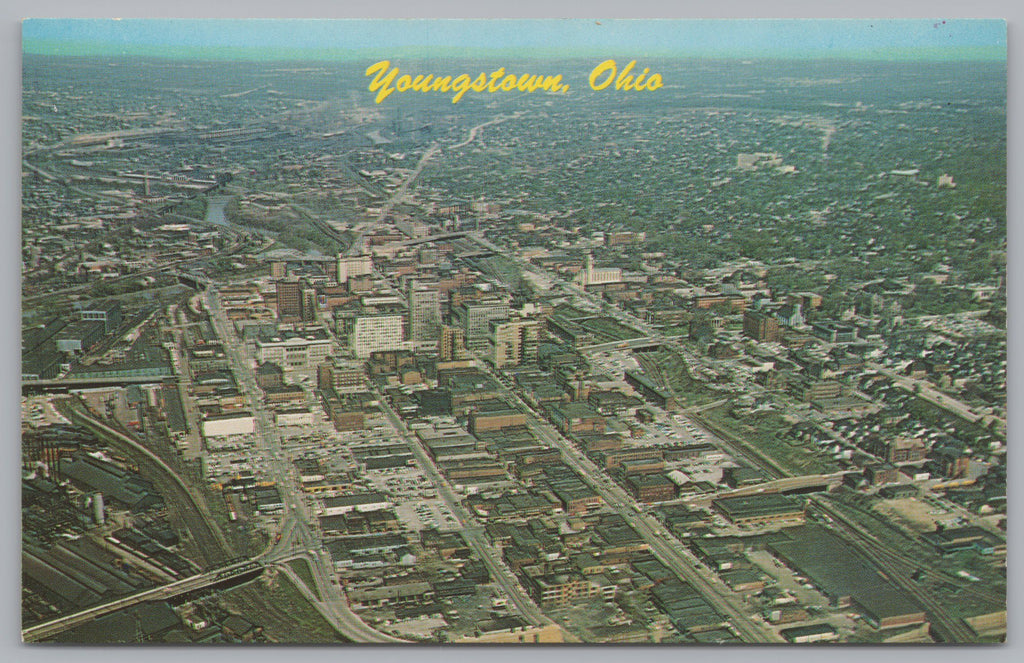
[296, 533]
[357, 244]
[665, 547]
[57, 626]
[927, 391]
[472, 531]
[336, 610]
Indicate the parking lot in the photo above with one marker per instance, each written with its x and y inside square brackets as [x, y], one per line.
[613, 364]
[426, 514]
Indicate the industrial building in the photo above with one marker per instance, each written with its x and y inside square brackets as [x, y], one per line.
[761, 510]
[845, 578]
[109, 313]
[811, 633]
[649, 390]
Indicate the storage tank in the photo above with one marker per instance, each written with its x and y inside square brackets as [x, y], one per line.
[97, 509]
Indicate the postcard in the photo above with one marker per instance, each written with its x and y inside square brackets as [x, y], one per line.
[513, 331]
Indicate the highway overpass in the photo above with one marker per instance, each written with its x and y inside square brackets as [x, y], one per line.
[64, 385]
[230, 575]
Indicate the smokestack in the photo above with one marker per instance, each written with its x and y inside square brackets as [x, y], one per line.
[53, 457]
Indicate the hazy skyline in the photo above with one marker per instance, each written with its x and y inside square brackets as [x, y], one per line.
[272, 39]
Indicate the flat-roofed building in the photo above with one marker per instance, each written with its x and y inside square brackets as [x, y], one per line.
[615, 458]
[811, 633]
[294, 417]
[651, 487]
[362, 502]
[760, 326]
[481, 422]
[834, 331]
[294, 349]
[451, 346]
[289, 300]
[881, 473]
[225, 425]
[353, 266]
[376, 332]
[79, 336]
[760, 510]
[269, 374]
[846, 578]
[899, 450]
[649, 390]
[424, 313]
[344, 376]
[346, 410]
[957, 539]
[476, 321]
[514, 342]
[560, 589]
[576, 418]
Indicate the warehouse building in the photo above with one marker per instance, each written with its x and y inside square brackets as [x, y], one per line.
[811, 633]
[761, 510]
[334, 506]
[226, 425]
[846, 578]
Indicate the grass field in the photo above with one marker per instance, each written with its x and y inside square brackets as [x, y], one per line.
[764, 432]
[608, 330]
[669, 369]
[301, 568]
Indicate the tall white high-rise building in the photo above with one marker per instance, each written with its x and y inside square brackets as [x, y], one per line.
[476, 320]
[374, 332]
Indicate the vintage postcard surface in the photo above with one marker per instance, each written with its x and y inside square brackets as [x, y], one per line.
[560, 331]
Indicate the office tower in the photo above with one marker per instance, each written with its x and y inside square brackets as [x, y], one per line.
[476, 321]
[452, 344]
[514, 342]
[289, 300]
[351, 266]
[382, 331]
[309, 305]
[424, 313]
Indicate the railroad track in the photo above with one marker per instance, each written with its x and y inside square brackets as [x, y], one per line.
[211, 544]
[939, 576]
[948, 628]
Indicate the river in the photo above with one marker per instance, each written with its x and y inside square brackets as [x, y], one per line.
[215, 209]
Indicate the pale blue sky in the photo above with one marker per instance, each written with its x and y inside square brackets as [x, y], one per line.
[270, 39]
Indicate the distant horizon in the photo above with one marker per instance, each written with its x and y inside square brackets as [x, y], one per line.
[270, 40]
